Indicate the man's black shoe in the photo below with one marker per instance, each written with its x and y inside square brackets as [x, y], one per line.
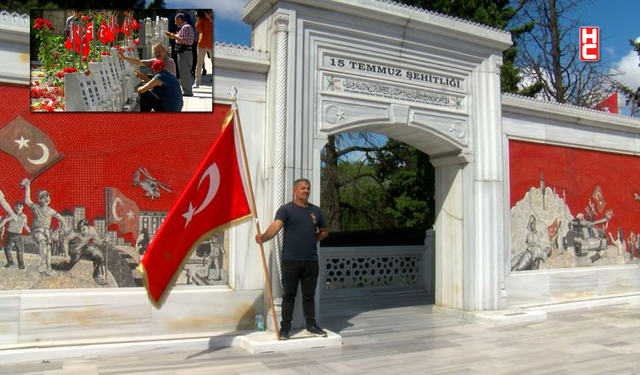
[316, 331]
[187, 94]
[8, 265]
[284, 334]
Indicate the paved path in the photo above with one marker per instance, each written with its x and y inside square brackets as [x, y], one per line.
[202, 99]
[398, 337]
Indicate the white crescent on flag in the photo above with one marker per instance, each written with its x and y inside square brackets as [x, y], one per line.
[45, 155]
[114, 212]
[214, 183]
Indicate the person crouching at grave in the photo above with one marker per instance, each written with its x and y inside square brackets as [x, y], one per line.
[162, 93]
[160, 53]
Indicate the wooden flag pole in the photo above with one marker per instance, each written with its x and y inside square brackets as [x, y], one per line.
[233, 91]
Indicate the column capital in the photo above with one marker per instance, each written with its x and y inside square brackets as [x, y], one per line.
[281, 21]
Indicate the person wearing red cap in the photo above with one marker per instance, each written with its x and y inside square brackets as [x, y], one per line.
[162, 93]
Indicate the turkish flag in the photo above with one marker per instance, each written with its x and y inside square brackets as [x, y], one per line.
[135, 24]
[85, 45]
[76, 40]
[30, 145]
[90, 35]
[122, 211]
[610, 104]
[598, 196]
[553, 229]
[126, 27]
[68, 44]
[105, 33]
[214, 198]
[115, 29]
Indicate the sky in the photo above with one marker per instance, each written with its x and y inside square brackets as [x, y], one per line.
[618, 20]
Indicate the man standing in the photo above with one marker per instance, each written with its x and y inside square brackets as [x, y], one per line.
[17, 222]
[205, 43]
[216, 258]
[304, 226]
[165, 96]
[191, 20]
[171, 25]
[184, 40]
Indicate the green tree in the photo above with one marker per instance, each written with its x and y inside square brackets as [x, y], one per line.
[409, 179]
[336, 175]
[550, 54]
[494, 13]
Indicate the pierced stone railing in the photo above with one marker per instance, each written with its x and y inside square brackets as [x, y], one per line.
[362, 271]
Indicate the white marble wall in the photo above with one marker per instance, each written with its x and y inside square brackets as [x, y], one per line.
[573, 284]
[56, 317]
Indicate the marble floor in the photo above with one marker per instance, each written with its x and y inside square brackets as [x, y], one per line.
[202, 99]
[403, 336]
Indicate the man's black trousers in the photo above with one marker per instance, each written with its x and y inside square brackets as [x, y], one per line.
[306, 273]
[149, 100]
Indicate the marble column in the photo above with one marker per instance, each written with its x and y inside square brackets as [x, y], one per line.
[281, 22]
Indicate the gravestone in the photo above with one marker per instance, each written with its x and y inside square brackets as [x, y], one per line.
[94, 104]
[116, 82]
[99, 83]
[78, 96]
[120, 73]
[148, 38]
[106, 84]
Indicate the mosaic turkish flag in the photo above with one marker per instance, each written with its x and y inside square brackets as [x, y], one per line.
[215, 197]
[31, 146]
[121, 211]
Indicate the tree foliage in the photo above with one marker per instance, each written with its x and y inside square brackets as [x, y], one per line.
[494, 13]
[549, 54]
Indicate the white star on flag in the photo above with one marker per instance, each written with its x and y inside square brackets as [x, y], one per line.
[22, 142]
[188, 215]
[130, 214]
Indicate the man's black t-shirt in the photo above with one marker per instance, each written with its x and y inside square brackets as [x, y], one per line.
[300, 231]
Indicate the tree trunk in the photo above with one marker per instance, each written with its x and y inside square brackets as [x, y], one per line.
[331, 188]
[555, 53]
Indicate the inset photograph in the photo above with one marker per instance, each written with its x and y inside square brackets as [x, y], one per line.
[121, 60]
